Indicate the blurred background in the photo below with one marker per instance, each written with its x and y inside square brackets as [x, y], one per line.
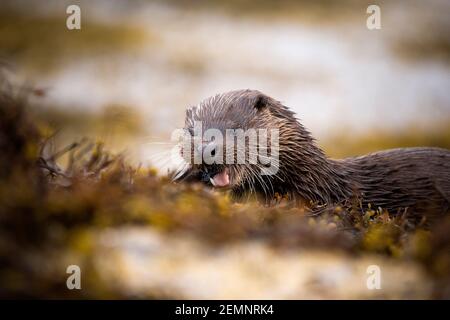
[127, 76]
[126, 79]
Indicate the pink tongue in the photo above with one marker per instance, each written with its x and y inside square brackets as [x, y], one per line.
[221, 179]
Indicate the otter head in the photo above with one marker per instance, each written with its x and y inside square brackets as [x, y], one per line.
[239, 140]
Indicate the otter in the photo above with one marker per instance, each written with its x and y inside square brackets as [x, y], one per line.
[396, 179]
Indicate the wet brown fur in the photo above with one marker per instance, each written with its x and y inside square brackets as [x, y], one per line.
[412, 178]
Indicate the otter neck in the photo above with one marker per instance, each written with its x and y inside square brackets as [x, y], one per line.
[309, 175]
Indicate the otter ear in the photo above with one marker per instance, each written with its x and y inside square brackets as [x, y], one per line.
[259, 100]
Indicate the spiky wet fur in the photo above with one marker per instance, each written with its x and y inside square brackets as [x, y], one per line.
[394, 179]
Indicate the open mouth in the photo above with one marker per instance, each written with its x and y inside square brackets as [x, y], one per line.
[221, 179]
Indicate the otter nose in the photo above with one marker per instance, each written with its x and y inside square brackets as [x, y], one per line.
[205, 176]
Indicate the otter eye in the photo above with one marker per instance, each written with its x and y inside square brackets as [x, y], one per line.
[213, 152]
